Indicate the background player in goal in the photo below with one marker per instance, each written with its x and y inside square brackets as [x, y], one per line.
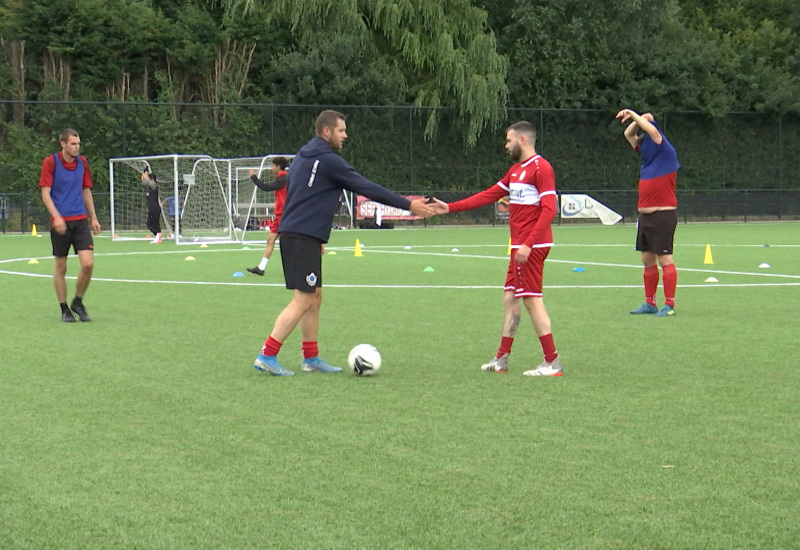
[150, 181]
[278, 168]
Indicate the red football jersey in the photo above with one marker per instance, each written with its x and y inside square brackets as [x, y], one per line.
[531, 186]
[280, 195]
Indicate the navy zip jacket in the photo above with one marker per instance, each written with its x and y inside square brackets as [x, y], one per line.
[316, 179]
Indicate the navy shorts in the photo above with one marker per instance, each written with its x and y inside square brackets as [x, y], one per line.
[78, 236]
[301, 256]
[656, 232]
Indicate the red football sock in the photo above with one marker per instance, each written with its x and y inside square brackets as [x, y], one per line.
[651, 284]
[548, 347]
[310, 349]
[505, 346]
[271, 347]
[670, 284]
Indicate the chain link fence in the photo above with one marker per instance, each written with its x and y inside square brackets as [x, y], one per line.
[20, 211]
[742, 166]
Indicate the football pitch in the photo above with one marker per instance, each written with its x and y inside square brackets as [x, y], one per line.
[150, 428]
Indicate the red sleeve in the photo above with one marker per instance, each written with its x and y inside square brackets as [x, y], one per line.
[87, 174]
[549, 205]
[545, 182]
[483, 198]
[48, 168]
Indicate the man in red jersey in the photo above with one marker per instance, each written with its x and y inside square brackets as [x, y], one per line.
[278, 168]
[531, 185]
[657, 209]
[66, 184]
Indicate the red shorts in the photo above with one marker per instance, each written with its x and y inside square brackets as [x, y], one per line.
[526, 279]
[273, 225]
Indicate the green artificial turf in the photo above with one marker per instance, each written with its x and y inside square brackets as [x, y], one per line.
[149, 427]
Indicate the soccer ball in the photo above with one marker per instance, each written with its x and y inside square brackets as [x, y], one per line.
[364, 360]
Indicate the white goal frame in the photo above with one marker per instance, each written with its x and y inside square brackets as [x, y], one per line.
[222, 207]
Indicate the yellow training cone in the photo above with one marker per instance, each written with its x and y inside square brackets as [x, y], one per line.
[358, 252]
[708, 259]
[33, 231]
[33, 261]
[508, 252]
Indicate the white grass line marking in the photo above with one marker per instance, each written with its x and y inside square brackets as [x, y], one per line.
[387, 287]
[398, 250]
[598, 264]
[558, 245]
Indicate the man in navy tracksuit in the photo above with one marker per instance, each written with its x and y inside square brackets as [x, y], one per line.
[316, 180]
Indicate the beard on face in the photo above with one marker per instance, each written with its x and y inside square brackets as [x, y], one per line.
[336, 146]
[515, 152]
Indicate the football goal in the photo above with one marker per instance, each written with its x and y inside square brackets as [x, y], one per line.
[203, 199]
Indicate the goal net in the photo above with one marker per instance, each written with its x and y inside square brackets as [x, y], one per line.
[254, 208]
[128, 203]
[200, 197]
[203, 199]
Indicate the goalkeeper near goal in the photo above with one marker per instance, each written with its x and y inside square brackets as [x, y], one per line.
[150, 182]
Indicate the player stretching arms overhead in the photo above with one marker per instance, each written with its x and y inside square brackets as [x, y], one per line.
[657, 208]
[531, 184]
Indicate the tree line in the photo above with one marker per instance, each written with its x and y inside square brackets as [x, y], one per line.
[194, 76]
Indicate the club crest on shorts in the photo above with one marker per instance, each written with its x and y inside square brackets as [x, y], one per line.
[311, 279]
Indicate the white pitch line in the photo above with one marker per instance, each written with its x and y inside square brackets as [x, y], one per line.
[598, 264]
[388, 287]
[397, 250]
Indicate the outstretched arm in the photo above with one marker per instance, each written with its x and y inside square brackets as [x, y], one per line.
[273, 186]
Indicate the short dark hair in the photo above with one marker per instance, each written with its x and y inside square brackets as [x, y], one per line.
[524, 127]
[327, 119]
[280, 162]
[67, 133]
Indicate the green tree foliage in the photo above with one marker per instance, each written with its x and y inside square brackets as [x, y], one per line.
[444, 48]
[467, 68]
[762, 39]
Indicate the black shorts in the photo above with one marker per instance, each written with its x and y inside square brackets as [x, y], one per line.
[656, 232]
[78, 235]
[301, 256]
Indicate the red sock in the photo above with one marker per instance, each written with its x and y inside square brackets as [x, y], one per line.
[271, 347]
[310, 349]
[651, 284]
[548, 347]
[505, 346]
[670, 284]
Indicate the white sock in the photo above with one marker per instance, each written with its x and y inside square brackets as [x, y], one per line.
[263, 264]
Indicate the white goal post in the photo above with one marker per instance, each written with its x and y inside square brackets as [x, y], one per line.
[203, 199]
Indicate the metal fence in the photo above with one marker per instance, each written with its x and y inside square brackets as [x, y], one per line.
[742, 166]
[20, 211]
[742, 151]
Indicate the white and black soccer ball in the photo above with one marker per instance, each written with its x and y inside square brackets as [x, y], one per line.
[364, 360]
